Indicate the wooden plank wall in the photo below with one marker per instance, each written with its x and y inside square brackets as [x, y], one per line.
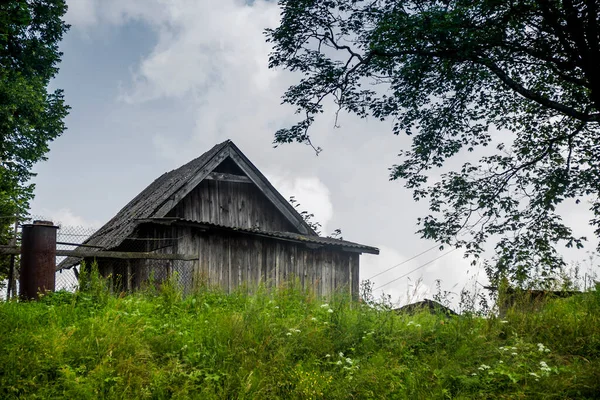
[231, 204]
[230, 260]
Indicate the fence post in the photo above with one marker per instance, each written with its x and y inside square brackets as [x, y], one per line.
[38, 259]
[11, 269]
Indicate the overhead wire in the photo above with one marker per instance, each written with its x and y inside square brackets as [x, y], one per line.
[404, 262]
[416, 269]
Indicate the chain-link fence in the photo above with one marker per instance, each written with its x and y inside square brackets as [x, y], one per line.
[139, 261]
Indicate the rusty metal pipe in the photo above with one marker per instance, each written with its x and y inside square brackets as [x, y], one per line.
[38, 259]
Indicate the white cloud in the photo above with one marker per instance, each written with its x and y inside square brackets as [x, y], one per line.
[312, 195]
[66, 217]
[82, 13]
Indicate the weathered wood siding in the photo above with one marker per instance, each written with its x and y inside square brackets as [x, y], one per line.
[231, 204]
[231, 260]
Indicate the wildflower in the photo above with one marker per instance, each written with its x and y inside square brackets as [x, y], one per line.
[483, 367]
[534, 374]
[276, 306]
[542, 348]
[330, 311]
[338, 363]
[500, 362]
[504, 321]
[474, 374]
[341, 354]
[289, 333]
[327, 355]
[325, 305]
[544, 367]
[514, 354]
[513, 348]
[349, 361]
[313, 319]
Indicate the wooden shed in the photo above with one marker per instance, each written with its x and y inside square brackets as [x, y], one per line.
[221, 210]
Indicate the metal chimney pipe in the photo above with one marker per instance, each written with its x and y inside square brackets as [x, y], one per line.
[38, 259]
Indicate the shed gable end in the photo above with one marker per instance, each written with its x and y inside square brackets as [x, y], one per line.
[231, 199]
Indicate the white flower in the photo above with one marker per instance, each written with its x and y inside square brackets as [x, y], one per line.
[542, 348]
[325, 305]
[276, 306]
[534, 374]
[313, 319]
[289, 333]
[514, 354]
[338, 363]
[349, 361]
[544, 367]
[474, 374]
[330, 311]
[500, 362]
[341, 354]
[483, 367]
[327, 355]
[504, 321]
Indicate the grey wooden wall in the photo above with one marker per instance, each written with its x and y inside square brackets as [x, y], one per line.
[231, 204]
[229, 259]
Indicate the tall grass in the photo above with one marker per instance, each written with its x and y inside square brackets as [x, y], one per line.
[286, 343]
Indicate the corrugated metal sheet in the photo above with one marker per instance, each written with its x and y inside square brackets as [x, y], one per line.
[295, 237]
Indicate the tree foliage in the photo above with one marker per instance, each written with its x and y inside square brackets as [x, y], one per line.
[520, 76]
[30, 115]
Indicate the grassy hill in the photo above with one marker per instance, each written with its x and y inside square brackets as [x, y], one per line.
[288, 344]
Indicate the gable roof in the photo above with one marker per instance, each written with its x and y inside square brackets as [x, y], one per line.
[162, 195]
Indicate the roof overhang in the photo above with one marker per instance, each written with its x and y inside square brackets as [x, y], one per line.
[308, 240]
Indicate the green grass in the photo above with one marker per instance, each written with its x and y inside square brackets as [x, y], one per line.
[286, 343]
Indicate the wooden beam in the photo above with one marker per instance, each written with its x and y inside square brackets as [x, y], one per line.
[122, 255]
[219, 176]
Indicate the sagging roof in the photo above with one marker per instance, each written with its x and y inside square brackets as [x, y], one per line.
[162, 195]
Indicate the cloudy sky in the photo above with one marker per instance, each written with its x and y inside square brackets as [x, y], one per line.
[155, 83]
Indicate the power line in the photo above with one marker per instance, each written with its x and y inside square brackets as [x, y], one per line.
[403, 262]
[419, 267]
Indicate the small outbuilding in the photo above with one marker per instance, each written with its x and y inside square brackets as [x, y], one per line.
[222, 211]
